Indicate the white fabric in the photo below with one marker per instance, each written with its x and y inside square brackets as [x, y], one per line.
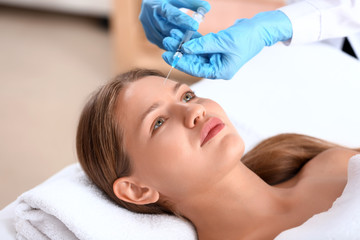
[7, 229]
[315, 20]
[68, 206]
[354, 40]
[342, 221]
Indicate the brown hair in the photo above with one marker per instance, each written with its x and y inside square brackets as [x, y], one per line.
[100, 150]
[99, 143]
[279, 158]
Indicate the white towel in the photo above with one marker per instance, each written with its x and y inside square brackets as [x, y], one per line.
[69, 206]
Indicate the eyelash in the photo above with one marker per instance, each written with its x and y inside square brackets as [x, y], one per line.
[161, 120]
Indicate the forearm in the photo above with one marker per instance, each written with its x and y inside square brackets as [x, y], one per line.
[315, 20]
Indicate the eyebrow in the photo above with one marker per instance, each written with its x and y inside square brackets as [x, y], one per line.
[156, 105]
[177, 86]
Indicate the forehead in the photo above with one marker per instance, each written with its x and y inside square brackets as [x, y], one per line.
[143, 91]
[144, 86]
[137, 96]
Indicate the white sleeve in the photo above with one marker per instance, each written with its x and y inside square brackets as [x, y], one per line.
[315, 20]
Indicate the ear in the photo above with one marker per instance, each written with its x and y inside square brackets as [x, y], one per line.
[128, 190]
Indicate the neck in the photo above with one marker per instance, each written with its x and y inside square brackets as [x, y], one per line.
[237, 206]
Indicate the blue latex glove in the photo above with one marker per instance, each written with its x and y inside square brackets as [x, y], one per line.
[222, 54]
[158, 17]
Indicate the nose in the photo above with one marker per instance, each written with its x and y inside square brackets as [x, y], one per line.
[194, 113]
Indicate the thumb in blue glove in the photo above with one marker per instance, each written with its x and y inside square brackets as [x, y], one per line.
[158, 17]
[222, 54]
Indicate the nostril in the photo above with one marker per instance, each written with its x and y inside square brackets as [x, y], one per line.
[196, 119]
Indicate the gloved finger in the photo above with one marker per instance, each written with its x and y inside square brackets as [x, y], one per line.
[171, 44]
[191, 4]
[206, 66]
[197, 65]
[179, 35]
[155, 35]
[155, 28]
[168, 57]
[175, 16]
[210, 43]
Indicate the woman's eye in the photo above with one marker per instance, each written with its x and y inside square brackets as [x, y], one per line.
[158, 123]
[188, 96]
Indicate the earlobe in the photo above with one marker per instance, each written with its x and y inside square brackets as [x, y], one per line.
[129, 191]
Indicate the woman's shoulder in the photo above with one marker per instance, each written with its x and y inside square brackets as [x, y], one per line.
[322, 180]
[332, 162]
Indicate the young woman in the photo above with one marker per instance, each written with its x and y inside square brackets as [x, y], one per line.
[155, 147]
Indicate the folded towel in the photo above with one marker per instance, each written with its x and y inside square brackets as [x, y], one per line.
[341, 221]
[69, 206]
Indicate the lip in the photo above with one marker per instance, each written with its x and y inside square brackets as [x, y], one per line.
[210, 129]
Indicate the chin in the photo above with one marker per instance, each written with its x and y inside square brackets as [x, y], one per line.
[233, 147]
[227, 156]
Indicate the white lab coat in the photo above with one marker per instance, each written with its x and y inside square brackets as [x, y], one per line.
[316, 20]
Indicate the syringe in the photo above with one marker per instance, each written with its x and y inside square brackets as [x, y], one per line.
[197, 16]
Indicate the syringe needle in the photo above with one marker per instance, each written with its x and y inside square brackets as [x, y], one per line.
[167, 77]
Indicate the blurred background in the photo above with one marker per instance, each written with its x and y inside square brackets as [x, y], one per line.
[53, 54]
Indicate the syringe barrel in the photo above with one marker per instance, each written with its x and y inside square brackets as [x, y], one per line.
[197, 16]
[187, 36]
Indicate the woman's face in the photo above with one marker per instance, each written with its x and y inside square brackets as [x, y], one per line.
[178, 143]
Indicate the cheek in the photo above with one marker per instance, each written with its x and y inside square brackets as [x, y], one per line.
[166, 161]
[177, 159]
[210, 104]
[213, 108]
[180, 170]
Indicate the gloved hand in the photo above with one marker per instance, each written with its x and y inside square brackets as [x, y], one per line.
[158, 17]
[222, 54]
